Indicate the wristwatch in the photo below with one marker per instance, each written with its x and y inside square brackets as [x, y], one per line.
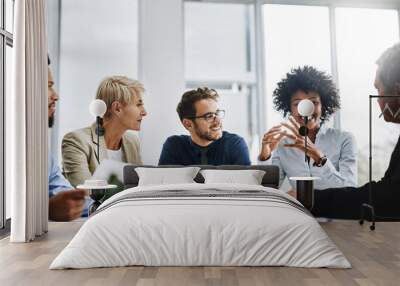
[321, 161]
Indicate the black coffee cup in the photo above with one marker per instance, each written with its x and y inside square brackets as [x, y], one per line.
[305, 190]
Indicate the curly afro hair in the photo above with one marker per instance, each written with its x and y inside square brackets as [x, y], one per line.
[307, 79]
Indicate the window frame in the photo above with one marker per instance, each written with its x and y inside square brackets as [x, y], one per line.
[384, 4]
[260, 73]
[249, 81]
[332, 5]
[6, 39]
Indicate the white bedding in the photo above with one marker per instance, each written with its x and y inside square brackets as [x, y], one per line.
[182, 231]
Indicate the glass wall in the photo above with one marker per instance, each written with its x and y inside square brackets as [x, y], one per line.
[9, 12]
[362, 36]
[292, 39]
[8, 82]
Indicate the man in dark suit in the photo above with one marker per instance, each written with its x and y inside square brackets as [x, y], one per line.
[346, 202]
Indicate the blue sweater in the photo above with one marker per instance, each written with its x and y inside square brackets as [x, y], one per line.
[230, 149]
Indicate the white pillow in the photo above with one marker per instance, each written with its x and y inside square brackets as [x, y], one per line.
[166, 176]
[248, 177]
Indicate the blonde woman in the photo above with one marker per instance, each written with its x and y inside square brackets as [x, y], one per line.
[125, 111]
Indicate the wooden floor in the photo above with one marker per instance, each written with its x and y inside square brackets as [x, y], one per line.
[375, 257]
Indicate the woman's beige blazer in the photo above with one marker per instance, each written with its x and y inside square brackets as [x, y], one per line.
[79, 152]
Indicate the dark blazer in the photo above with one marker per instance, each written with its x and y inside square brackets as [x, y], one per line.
[345, 203]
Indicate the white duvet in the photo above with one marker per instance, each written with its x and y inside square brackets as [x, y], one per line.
[183, 231]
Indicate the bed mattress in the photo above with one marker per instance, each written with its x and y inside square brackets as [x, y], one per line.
[201, 225]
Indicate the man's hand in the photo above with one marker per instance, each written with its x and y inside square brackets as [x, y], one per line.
[67, 205]
[292, 193]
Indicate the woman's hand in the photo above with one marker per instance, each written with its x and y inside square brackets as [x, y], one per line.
[299, 142]
[270, 141]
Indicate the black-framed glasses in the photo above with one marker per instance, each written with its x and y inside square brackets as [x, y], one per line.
[210, 116]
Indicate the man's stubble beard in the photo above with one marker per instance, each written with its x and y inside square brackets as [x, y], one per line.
[51, 121]
[205, 135]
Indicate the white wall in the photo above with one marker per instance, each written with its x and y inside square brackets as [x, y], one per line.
[161, 69]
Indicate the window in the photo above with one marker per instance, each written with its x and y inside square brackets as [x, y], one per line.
[361, 30]
[9, 11]
[8, 74]
[6, 41]
[292, 39]
[219, 53]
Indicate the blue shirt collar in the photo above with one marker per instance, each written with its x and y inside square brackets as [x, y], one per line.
[322, 130]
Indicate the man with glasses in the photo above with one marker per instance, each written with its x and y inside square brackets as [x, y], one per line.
[207, 143]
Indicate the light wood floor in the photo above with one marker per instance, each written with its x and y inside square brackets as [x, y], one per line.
[375, 257]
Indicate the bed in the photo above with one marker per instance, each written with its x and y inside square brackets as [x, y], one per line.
[201, 224]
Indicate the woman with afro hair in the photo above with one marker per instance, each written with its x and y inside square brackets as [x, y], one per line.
[332, 153]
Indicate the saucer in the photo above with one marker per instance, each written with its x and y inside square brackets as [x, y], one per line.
[304, 178]
[95, 185]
